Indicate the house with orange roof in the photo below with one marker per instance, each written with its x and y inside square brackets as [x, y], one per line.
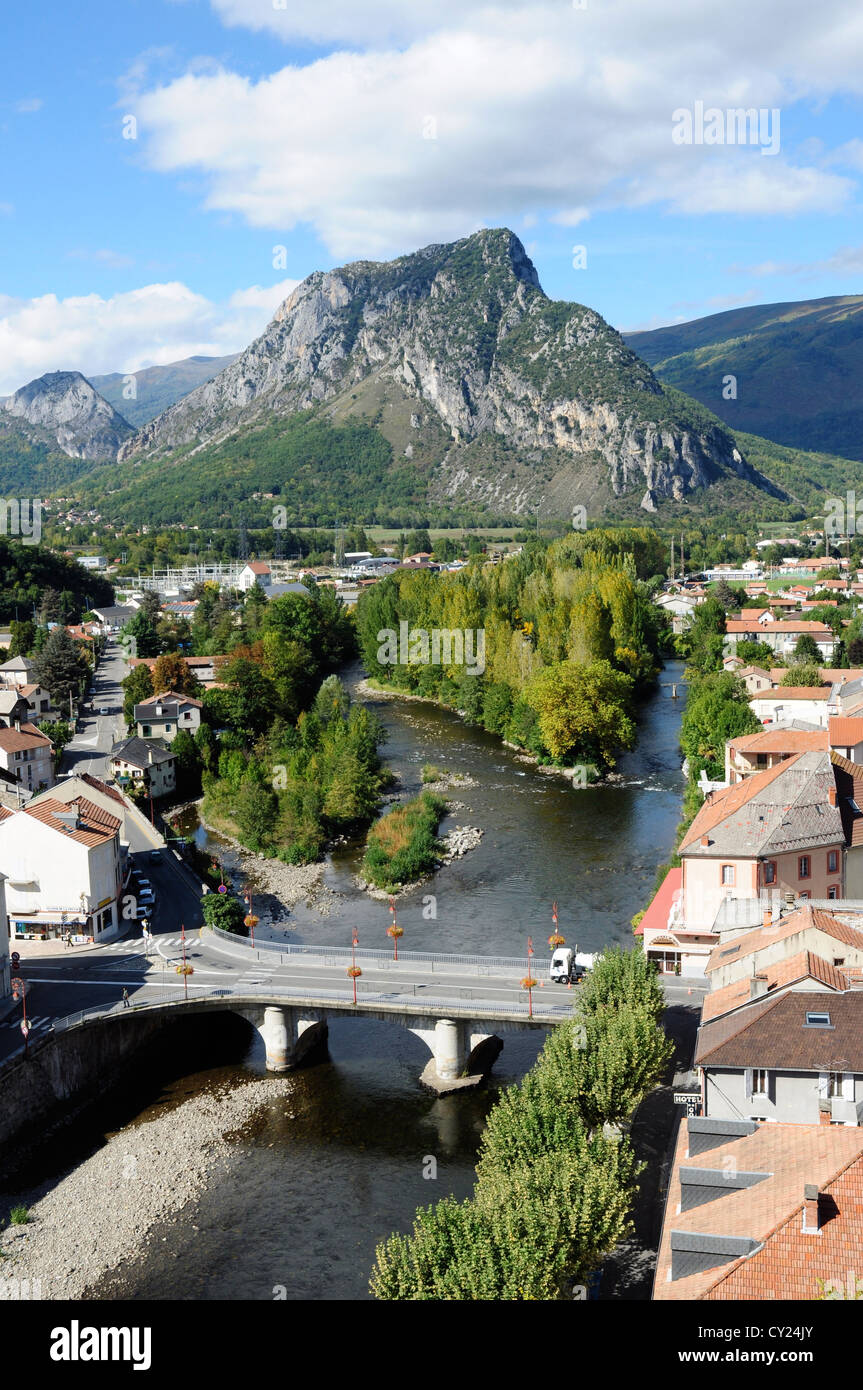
[63, 868]
[762, 1212]
[781, 636]
[805, 970]
[834, 938]
[777, 831]
[255, 572]
[814, 704]
[754, 752]
[27, 756]
[845, 736]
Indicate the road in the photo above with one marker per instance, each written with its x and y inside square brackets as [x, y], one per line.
[89, 751]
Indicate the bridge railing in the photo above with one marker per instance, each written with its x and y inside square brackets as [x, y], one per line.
[462, 1002]
[374, 954]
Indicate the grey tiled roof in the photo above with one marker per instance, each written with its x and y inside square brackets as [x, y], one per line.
[791, 812]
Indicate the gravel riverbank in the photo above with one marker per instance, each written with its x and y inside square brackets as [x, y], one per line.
[99, 1215]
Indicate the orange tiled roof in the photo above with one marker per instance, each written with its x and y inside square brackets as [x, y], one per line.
[805, 965]
[781, 740]
[790, 1263]
[748, 943]
[96, 825]
[844, 730]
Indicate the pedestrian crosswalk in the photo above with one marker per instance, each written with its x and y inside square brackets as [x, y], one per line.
[139, 947]
[35, 1023]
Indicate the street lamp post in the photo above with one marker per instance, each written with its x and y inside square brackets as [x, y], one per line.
[18, 987]
[529, 982]
[394, 930]
[354, 970]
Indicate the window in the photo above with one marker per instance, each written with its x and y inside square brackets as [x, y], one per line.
[146, 731]
[759, 1082]
[832, 861]
[815, 1020]
[769, 871]
[833, 891]
[804, 897]
[728, 875]
[803, 866]
[834, 1084]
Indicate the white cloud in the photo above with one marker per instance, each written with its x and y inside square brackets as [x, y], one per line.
[140, 328]
[847, 260]
[491, 112]
[29, 105]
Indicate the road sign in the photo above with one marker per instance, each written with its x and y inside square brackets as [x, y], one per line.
[15, 959]
[221, 888]
[25, 1026]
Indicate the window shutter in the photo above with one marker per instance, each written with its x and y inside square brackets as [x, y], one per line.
[747, 1078]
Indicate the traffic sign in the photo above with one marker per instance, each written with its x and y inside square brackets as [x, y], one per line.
[15, 959]
[221, 888]
[25, 1026]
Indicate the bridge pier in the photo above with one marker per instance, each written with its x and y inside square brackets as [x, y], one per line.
[459, 1060]
[287, 1037]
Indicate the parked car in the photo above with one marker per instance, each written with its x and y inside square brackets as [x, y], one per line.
[155, 856]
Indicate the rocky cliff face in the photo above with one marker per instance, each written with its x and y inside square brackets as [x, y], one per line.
[465, 333]
[66, 407]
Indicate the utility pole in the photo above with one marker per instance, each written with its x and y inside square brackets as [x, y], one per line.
[672, 557]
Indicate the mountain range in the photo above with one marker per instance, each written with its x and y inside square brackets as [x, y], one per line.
[445, 379]
[796, 369]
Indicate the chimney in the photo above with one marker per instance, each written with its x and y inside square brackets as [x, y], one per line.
[705, 841]
[768, 918]
[831, 796]
[757, 986]
[811, 1197]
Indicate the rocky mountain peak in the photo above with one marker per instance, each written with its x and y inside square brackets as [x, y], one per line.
[71, 411]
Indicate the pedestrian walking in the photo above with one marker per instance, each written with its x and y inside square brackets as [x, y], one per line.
[125, 999]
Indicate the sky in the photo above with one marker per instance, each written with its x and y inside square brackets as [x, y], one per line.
[170, 169]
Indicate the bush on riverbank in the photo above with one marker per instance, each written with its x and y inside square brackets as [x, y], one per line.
[554, 1188]
[402, 845]
[224, 911]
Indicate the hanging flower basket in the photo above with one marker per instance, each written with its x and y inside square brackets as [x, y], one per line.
[556, 940]
[250, 920]
[395, 931]
[185, 969]
[353, 972]
[529, 982]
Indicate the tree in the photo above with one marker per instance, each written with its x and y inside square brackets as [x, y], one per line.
[332, 700]
[755, 654]
[802, 673]
[806, 648]
[142, 631]
[225, 912]
[23, 636]
[188, 757]
[60, 667]
[150, 604]
[171, 672]
[138, 686]
[717, 709]
[584, 710]
[855, 651]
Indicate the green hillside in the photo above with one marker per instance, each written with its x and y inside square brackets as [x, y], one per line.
[799, 369]
[157, 388]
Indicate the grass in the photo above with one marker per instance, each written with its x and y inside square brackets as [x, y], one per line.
[402, 846]
[19, 1216]
[431, 773]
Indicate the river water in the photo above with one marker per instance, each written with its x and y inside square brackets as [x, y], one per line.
[314, 1186]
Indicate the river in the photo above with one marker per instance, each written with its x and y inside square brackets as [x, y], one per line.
[314, 1186]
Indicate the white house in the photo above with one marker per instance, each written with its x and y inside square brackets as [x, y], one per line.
[139, 763]
[781, 637]
[812, 704]
[18, 670]
[63, 869]
[255, 572]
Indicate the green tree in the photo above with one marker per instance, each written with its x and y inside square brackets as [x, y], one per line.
[806, 648]
[142, 631]
[802, 673]
[60, 667]
[224, 911]
[584, 710]
[137, 687]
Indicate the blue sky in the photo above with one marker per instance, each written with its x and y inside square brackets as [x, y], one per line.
[340, 129]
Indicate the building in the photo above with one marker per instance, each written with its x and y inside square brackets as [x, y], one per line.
[18, 670]
[36, 701]
[795, 1058]
[28, 756]
[780, 636]
[788, 703]
[761, 1212]
[112, 619]
[204, 668]
[755, 678]
[163, 716]
[845, 737]
[754, 752]
[133, 822]
[135, 762]
[93, 562]
[14, 708]
[63, 869]
[834, 938]
[5, 970]
[255, 572]
[779, 830]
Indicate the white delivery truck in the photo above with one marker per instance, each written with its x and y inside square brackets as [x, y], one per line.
[568, 966]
